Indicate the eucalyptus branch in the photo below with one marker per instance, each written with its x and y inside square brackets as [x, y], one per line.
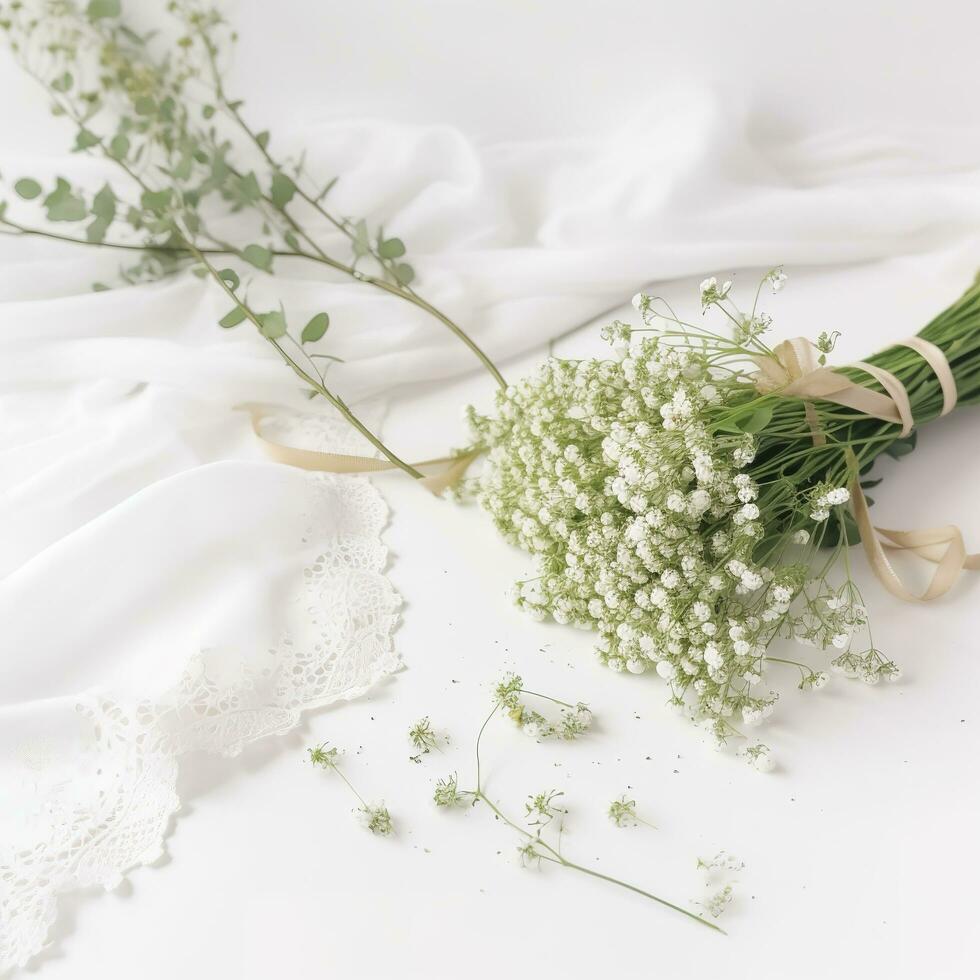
[155, 126]
[98, 72]
[542, 811]
[28, 231]
[386, 252]
[273, 327]
[396, 288]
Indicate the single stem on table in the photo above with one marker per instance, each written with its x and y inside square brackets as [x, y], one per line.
[546, 851]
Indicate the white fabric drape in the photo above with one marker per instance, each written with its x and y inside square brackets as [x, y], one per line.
[517, 242]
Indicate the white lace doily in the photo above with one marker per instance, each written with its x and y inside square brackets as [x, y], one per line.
[88, 787]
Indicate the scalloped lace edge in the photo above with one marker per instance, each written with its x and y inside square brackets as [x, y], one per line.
[82, 844]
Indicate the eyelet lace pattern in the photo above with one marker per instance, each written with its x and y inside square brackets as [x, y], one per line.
[113, 813]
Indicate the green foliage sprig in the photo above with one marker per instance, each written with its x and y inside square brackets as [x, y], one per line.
[161, 115]
[540, 835]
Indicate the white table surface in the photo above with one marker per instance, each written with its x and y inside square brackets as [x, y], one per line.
[860, 849]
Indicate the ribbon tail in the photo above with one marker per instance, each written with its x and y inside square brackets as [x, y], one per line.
[451, 475]
[950, 560]
[928, 543]
[452, 467]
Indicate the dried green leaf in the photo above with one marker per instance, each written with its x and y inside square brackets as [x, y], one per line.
[391, 248]
[404, 273]
[27, 188]
[259, 256]
[119, 146]
[104, 204]
[85, 138]
[273, 324]
[283, 189]
[230, 277]
[756, 421]
[902, 447]
[232, 318]
[246, 190]
[96, 231]
[97, 9]
[156, 200]
[361, 243]
[315, 329]
[62, 205]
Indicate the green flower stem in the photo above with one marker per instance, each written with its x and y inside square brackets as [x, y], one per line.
[633, 888]
[544, 697]
[553, 854]
[315, 383]
[129, 246]
[350, 785]
[486, 721]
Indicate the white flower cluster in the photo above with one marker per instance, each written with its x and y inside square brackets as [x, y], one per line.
[823, 497]
[643, 520]
[648, 526]
[574, 720]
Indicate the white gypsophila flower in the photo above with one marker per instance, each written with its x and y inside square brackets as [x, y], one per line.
[711, 292]
[759, 758]
[645, 520]
[776, 279]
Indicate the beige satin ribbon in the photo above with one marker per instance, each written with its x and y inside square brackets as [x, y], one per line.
[795, 371]
[450, 471]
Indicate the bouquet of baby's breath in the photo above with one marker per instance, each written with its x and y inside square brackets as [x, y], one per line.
[692, 514]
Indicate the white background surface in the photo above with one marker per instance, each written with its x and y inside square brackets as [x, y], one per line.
[860, 849]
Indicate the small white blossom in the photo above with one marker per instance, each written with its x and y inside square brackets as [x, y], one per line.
[776, 279]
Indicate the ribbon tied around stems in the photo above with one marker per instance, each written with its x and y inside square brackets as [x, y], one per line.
[448, 470]
[794, 371]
